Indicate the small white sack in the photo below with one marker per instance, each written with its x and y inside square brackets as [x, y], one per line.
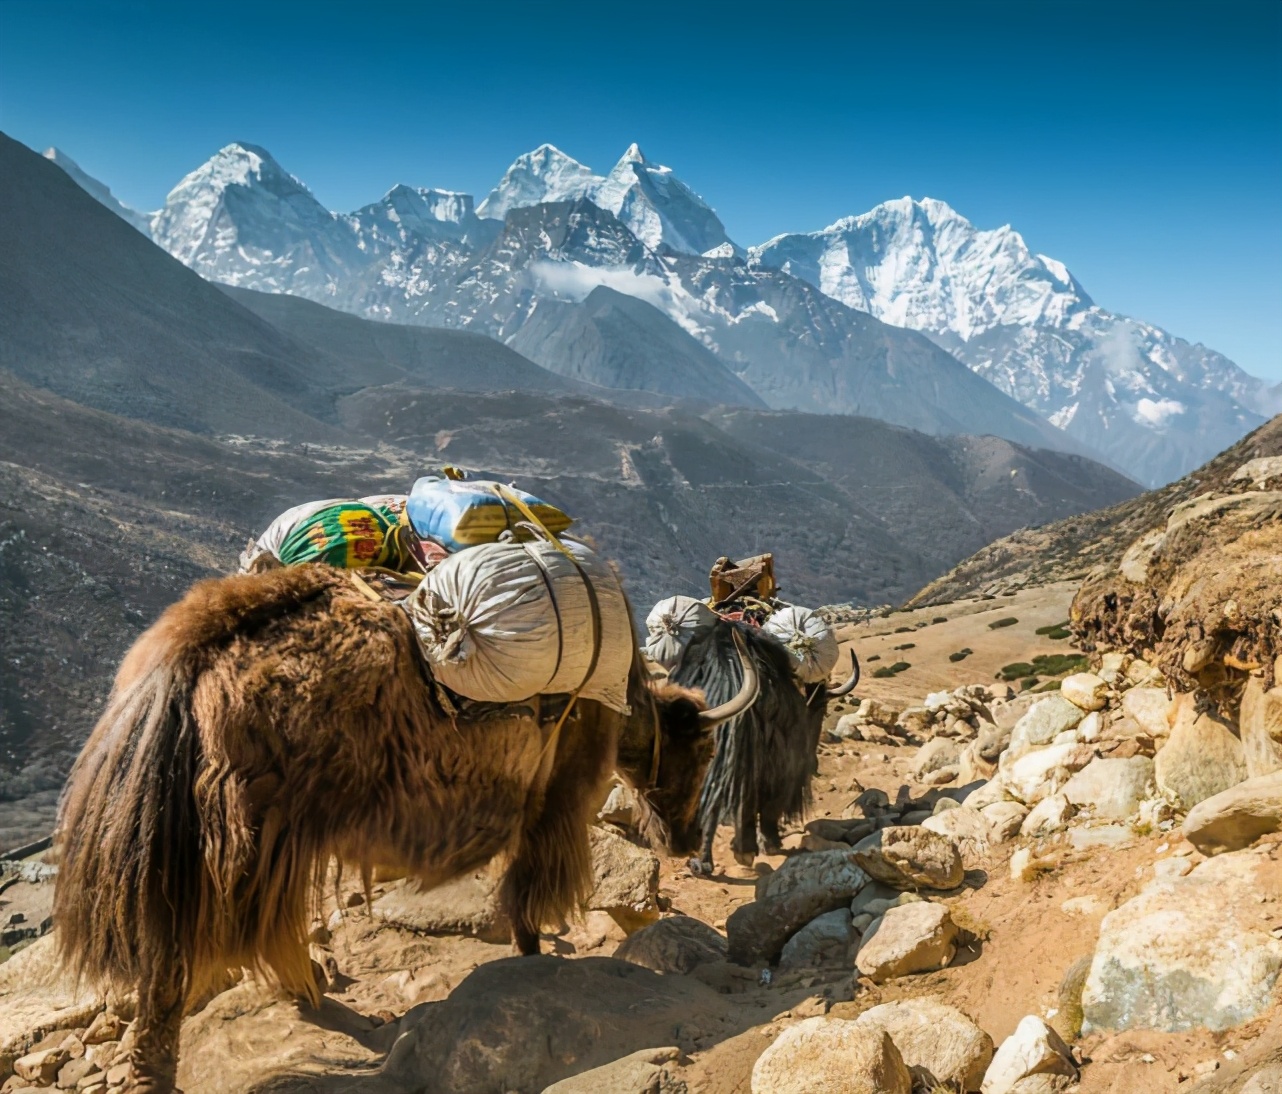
[671, 624]
[501, 622]
[809, 639]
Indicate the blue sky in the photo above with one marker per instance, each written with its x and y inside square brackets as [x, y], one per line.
[1141, 144]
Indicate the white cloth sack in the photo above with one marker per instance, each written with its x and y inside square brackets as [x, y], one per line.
[809, 639]
[501, 622]
[671, 624]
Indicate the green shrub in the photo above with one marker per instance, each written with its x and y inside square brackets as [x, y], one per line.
[1028, 683]
[940, 619]
[996, 624]
[1015, 671]
[1059, 664]
[907, 646]
[891, 670]
[960, 655]
[874, 657]
[903, 630]
[1052, 627]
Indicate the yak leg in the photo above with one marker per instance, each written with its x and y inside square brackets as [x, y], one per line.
[551, 873]
[771, 842]
[744, 844]
[153, 1062]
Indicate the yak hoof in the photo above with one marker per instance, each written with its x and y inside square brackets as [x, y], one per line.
[700, 868]
[745, 858]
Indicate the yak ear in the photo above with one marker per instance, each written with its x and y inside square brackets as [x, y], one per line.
[679, 711]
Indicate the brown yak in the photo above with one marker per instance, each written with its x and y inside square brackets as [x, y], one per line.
[269, 723]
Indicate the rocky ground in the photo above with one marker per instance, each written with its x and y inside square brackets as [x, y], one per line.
[1080, 893]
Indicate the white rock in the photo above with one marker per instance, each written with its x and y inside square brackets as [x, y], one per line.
[1148, 707]
[1038, 774]
[1260, 727]
[1091, 728]
[967, 828]
[934, 755]
[1048, 815]
[1113, 666]
[916, 937]
[937, 700]
[831, 1056]
[1237, 817]
[1084, 690]
[1083, 906]
[990, 793]
[1044, 721]
[1106, 835]
[1033, 1049]
[1022, 867]
[1187, 952]
[1112, 788]
[1201, 758]
[935, 1040]
[1004, 819]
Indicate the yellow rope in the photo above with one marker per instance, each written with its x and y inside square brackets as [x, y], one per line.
[505, 495]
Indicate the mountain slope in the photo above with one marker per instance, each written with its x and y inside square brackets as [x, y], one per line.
[1152, 402]
[619, 341]
[98, 191]
[1070, 548]
[96, 312]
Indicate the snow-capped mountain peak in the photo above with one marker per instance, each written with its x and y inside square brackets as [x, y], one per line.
[544, 175]
[98, 191]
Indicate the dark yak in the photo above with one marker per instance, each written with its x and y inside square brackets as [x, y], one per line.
[765, 757]
[267, 724]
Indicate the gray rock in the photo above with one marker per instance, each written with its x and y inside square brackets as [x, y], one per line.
[1186, 952]
[1048, 815]
[936, 754]
[1201, 758]
[626, 880]
[650, 1071]
[831, 1056]
[1237, 817]
[911, 938]
[467, 906]
[939, 1044]
[678, 944]
[1112, 788]
[1042, 772]
[1004, 819]
[824, 941]
[910, 857]
[802, 888]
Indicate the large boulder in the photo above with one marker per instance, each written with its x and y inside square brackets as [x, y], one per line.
[939, 1044]
[831, 1056]
[650, 1071]
[1039, 774]
[1084, 690]
[1112, 788]
[676, 944]
[1149, 708]
[1188, 951]
[1260, 727]
[1045, 721]
[467, 906]
[909, 938]
[1201, 758]
[824, 941]
[521, 1024]
[802, 888]
[1032, 1060]
[1237, 817]
[910, 857]
[625, 880]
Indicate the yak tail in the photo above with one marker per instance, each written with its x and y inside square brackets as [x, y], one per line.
[150, 859]
[130, 877]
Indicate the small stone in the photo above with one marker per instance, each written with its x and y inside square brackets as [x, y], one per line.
[831, 1056]
[1091, 728]
[1004, 819]
[1033, 1049]
[1106, 835]
[912, 938]
[73, 1071]
[626, 880]
[1084, 690]
[1083, 906]
[911, 857]
[1149, 708]
[41, 1068]
[1048, 815]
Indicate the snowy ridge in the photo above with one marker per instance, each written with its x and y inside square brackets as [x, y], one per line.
[1154, 403]
[800, 318]
[141, 221]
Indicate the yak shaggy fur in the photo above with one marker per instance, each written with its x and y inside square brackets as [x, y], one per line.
[766, 757]
[268, 724]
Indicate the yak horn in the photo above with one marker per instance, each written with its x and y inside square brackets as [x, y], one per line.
[747, 691]
[849, 685]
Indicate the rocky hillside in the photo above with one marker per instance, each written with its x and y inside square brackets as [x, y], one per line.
[1069, 549]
